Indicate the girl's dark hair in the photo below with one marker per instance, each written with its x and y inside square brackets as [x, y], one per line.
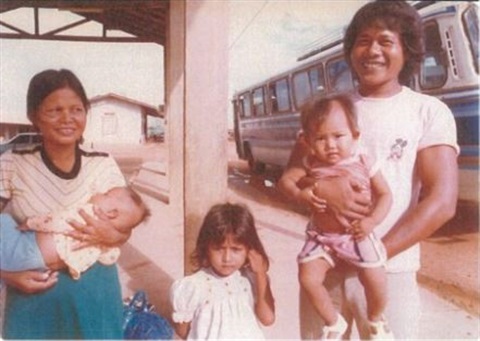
[314, 112]
[223, 220]
[397, 16]
[44, 83]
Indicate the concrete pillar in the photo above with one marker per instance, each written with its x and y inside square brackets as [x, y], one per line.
[197, 103]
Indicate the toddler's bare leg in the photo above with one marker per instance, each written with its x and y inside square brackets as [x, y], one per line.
[47, 247]
[374, 281]
[311, 276]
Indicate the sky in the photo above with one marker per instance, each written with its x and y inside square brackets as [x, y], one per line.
[266, 37]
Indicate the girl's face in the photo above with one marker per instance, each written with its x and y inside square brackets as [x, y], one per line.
[377, 58]
[332, 140]
[61, 118]
[227, 257]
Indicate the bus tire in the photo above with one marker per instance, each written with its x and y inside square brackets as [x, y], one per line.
[255, 166]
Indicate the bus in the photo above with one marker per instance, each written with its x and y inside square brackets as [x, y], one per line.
[267, 118]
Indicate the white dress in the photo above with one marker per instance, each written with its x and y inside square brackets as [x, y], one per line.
[217, 307]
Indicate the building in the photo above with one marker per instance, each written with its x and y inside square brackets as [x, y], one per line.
[117, 119]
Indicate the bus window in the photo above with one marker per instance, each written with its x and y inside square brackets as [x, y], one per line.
[244, 105]
[307, 83]
[301, 88]
[258, 102]
[433, 71]
[470, 22]
[280, 96]
[339, 76]
[317, 80]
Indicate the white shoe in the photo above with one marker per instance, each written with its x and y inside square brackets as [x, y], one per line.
[379, 330]
[336, 331]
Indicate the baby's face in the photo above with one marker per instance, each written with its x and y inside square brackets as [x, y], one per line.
[333, 140]
[119, 207]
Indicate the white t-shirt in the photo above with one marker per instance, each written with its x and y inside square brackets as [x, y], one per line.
[393, 130]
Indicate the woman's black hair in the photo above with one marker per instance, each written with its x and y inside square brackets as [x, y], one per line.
[221, 221]
[44, 83]
[397, 16]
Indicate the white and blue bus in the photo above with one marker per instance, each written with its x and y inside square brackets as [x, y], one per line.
[266, 115]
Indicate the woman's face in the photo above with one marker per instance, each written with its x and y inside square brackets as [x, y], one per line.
[61, 118]
[378, 58]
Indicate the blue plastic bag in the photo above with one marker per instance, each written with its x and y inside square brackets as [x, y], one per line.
[140, 322]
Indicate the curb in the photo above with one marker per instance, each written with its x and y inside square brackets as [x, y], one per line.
[464, 299]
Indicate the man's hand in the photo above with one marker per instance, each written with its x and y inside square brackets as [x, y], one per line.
[344, 197]
[30, 282]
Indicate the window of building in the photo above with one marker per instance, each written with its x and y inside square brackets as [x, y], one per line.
[109, 123]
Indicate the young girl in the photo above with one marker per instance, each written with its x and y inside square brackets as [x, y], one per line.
[230, 291]
[330, 130]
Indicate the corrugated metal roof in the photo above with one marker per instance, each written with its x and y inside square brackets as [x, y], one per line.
[143, 20]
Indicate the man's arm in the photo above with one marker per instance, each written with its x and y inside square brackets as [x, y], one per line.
[341, 195]
[438, 171]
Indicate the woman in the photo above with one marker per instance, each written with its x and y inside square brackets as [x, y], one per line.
[50, 177]
[414, 137]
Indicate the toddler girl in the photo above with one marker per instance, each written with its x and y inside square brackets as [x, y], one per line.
[331, 131]
[230, 291]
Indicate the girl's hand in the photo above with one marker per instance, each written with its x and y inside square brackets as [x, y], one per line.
[264, 302]
[30, 282]
[96, 231]
[258, 264]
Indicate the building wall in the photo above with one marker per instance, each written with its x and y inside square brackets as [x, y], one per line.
[114, 121]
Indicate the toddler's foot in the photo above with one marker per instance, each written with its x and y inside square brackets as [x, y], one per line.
[335, 331]
[379, 330]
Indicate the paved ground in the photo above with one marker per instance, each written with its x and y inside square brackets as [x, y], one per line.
[153, 258]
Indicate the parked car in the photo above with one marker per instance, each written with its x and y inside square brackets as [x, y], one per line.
[20, 141]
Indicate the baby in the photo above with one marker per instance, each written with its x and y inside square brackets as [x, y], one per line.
[123, 207]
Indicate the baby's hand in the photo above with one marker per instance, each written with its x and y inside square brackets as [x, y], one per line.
[257, 263]
[23, 227]
[362, 228]
[308, 197]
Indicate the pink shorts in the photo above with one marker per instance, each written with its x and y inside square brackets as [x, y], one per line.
[369, 253]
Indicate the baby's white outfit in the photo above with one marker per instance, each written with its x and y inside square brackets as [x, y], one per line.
[79, 260]
[217, 307]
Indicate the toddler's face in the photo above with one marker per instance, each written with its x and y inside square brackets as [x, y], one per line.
[333, 140]
[227, 257]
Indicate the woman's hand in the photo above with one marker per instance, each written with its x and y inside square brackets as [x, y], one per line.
[344, 197]
[30, 282]
[96, 230]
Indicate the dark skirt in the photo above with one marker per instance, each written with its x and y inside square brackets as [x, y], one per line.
[88, 308]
